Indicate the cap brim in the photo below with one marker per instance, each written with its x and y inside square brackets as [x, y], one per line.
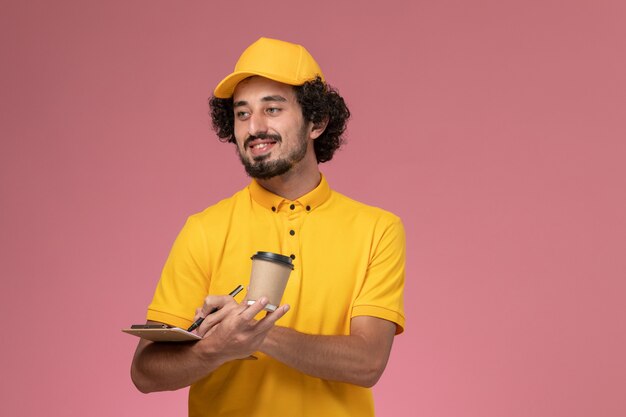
[226, 87]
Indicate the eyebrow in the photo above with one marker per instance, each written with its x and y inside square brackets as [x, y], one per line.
[264, 99]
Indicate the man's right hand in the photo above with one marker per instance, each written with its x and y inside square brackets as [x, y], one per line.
[232, 329]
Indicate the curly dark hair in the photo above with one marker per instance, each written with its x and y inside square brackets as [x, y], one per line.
[318, 101]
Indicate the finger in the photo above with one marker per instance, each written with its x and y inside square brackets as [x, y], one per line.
[212, 302]
[207, 328]
[210, 320]
[268, 321]
[198, 314]
[254, 309]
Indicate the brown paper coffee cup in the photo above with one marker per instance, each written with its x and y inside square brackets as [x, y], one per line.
[268, 278]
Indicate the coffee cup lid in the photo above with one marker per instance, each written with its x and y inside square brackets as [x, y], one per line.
[273, 257]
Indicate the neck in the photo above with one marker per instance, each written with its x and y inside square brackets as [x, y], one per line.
[293, 184]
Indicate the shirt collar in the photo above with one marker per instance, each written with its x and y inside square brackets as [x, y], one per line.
[309, 201]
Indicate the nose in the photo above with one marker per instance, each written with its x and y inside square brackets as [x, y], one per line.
[258, 124]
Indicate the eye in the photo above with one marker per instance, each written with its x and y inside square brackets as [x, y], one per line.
[242, 115]
[273, 110]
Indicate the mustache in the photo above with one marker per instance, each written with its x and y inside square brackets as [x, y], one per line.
[274, 137]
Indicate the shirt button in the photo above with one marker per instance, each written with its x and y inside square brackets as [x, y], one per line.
[292, 232]
[292, 256]
[273, 208]
[293, 206]
[308, 208]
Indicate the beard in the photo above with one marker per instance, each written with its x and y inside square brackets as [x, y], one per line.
[260, 168]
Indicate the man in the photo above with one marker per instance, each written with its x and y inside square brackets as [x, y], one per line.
[319, 352]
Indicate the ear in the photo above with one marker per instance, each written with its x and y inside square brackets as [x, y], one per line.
[318, 128]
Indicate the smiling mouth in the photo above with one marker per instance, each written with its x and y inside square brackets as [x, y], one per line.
[261, 149]
[261, 141]
[261, 146]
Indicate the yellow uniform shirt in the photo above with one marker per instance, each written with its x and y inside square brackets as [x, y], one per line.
[349, 261]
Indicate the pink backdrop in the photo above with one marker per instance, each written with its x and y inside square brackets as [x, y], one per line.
[495, 129]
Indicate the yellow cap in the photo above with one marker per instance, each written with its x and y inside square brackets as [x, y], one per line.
[270, 58]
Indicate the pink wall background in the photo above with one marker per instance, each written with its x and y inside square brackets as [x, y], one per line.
[496, 129]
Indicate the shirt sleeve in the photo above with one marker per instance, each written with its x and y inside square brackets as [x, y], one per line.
[184, 280]
[382, 291]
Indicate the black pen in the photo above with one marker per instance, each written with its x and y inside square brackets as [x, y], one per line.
[198, 322]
